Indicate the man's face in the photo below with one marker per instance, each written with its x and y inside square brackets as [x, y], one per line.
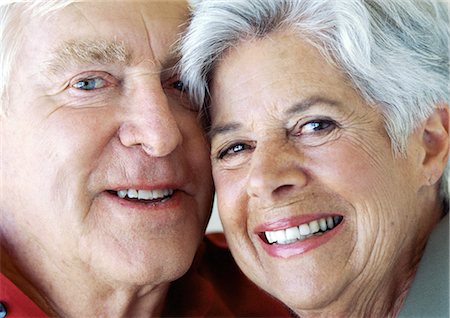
[95, 110]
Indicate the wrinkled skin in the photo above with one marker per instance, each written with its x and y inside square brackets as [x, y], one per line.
[76, 131]
[292, 141]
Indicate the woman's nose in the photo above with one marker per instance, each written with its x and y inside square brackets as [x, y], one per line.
[276, 172]
[150, 123]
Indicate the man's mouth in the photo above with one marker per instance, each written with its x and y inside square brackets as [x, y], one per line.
[303, 231]
[144, 196]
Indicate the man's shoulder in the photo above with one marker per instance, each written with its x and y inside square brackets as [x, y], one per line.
[14, 303]
[215, 286]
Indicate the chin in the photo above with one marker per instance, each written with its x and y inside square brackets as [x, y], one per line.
[163, 260]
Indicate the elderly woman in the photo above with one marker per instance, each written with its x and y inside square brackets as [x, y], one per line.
[329, 130]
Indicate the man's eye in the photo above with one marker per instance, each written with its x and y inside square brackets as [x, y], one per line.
[233, 150]
[179, 85]
[90, 83]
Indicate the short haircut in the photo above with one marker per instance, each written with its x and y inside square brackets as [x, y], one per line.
[13, 17]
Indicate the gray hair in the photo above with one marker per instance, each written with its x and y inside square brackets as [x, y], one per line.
[13, 17]
[394, 52]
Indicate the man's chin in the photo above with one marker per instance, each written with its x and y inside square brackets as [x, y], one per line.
[152, 263]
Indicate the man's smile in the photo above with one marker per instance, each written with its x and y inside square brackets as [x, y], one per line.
[144, 196]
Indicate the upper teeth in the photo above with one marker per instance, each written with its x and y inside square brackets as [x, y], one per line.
[302, 231]
[144, 194]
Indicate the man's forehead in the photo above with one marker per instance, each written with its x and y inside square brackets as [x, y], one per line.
[73, 53]
[126, 37]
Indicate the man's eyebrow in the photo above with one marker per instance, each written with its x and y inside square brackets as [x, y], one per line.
[79, 52]
[294, 109]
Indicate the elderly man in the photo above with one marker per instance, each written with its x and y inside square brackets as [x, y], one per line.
[106, 182]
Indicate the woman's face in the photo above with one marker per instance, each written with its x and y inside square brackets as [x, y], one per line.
[314, 204]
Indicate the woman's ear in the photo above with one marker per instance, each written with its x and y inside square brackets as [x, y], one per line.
[436, 143]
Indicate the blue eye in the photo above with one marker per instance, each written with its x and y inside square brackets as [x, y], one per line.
[90, 84]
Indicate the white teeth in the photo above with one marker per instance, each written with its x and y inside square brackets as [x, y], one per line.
[287, 241]
[314, 226]
[144, 194]
[122, 193]
[270, 237]
[303, 231]
[132, 194]
[280, 235]
[158, 193]
[323, 224]
[330, 222]
[292, 233]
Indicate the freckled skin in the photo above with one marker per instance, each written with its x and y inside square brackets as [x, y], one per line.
[287, 169]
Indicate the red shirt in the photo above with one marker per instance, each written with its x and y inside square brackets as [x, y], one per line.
[213, 287]
[15, 302]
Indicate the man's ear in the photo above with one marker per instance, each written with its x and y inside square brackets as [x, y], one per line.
[436, 143]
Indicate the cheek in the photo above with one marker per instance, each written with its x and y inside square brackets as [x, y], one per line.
[196, 148]
[232, 198]
[81, 138]
[377, 187]
[351, 169]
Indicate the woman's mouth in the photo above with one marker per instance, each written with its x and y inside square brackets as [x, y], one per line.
[301, 232]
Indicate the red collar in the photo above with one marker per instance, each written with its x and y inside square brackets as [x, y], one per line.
[17, 304]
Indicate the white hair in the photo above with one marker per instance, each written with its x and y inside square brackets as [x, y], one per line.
[394, 52]
[13, 17]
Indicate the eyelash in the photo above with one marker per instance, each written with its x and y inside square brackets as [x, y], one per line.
[232, 150]
[328, 123]
[179, 85]
[106, 80]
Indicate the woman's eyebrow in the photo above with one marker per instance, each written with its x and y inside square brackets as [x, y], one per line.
[309, 102]
[223, 129]
[81, 52]
[294, 109]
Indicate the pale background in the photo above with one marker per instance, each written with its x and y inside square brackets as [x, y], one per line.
[214, 224]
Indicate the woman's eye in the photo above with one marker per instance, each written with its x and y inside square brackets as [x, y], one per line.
[233, 150]
[317, 126]
[179, 85]
[90, 84]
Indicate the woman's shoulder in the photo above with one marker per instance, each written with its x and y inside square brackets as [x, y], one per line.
[429, 293]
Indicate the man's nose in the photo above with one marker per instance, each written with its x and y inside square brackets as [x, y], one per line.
[150, 123]
[276, 172]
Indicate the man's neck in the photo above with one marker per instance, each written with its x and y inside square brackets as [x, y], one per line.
[68, 296]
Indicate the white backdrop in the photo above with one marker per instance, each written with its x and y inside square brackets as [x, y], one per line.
[214, 224]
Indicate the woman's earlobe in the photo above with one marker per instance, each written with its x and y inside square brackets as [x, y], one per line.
[436, 143]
